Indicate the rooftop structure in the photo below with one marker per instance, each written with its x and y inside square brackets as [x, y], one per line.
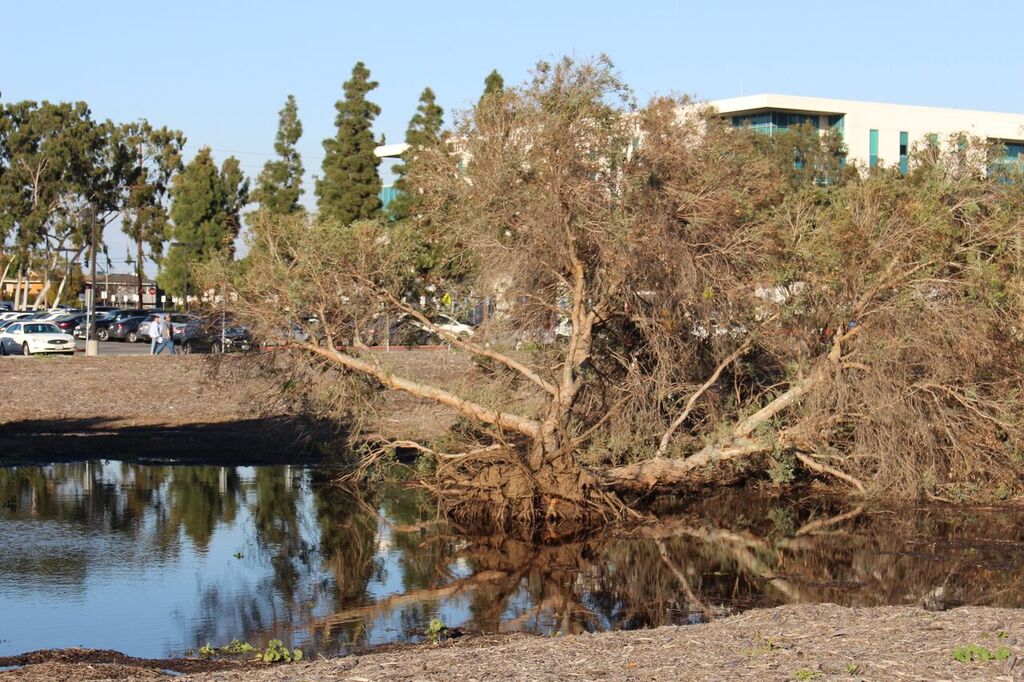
[874, 133]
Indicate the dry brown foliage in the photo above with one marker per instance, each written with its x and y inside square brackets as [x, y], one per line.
[727, 314]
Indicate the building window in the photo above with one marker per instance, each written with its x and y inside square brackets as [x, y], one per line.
[872, 148]
[904, 151]
[1014, 150]
[771, 122]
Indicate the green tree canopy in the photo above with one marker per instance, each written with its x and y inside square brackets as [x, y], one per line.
[55, 161]
[206, 206]
[350, 187]
[424, 131]
[279, 185]
[154, 156]
[492, 84]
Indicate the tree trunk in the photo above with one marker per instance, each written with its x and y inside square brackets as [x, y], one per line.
[41, 296]
[67, 272]
[47, 280]
[17, 291]
[24, 277]
[3, 279]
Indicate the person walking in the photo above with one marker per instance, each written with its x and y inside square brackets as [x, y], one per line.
[169, 333]
[154, 335]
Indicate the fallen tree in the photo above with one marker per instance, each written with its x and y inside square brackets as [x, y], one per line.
[725, 315]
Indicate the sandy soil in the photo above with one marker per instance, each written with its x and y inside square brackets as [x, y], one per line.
[811, 642]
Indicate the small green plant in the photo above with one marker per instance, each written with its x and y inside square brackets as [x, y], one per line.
[206, 650]
[784, 525]
[425, 464]
[852, 668]
[436, 631]
[237, 647]
[277, 652]
[765, 646]
[806, 675]
[974, 652]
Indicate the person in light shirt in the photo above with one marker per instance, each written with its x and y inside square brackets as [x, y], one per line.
[154, 335]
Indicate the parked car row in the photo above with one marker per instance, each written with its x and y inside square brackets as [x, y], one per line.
[216, 332]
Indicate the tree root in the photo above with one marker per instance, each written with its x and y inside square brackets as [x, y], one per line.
[821, 468]
[494, 489]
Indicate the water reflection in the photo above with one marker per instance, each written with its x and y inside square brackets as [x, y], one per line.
[153, 560]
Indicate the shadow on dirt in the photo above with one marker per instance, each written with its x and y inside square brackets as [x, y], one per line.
[273, 440]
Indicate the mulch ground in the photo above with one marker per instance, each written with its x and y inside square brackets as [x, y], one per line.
[808, 642]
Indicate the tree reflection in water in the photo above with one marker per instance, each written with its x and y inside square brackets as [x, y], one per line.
[269, 552]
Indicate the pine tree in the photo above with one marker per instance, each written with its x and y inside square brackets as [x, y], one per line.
[206, 205]
[492, 84]
[279, 185]
[424, 130]
[350, 187]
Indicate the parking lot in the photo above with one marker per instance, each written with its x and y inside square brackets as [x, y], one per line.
[121, 332]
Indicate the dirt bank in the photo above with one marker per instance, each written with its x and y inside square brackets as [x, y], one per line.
[819, 642]
[217, 409]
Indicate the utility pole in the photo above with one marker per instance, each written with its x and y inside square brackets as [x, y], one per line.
[186, 278]
[138, 242]
[92, 346]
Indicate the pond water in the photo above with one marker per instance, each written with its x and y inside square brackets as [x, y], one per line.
[156, 560]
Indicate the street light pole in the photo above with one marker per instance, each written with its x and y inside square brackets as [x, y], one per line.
[92, 346]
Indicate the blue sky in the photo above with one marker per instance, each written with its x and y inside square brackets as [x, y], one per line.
[220, 71]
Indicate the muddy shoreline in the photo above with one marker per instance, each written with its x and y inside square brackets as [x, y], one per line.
[802, 642]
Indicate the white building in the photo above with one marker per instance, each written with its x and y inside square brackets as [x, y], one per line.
[874, 133]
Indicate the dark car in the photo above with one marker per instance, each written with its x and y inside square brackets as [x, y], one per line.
[102, 322]
[127, 329]
[103, 325]
[215, 334]
[70, 322]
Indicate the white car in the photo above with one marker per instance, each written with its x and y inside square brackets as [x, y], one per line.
[29, 338]
[453, 326]
[447, 324]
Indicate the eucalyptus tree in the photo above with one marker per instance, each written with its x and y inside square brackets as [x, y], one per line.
[152, 157]
[54, 167]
